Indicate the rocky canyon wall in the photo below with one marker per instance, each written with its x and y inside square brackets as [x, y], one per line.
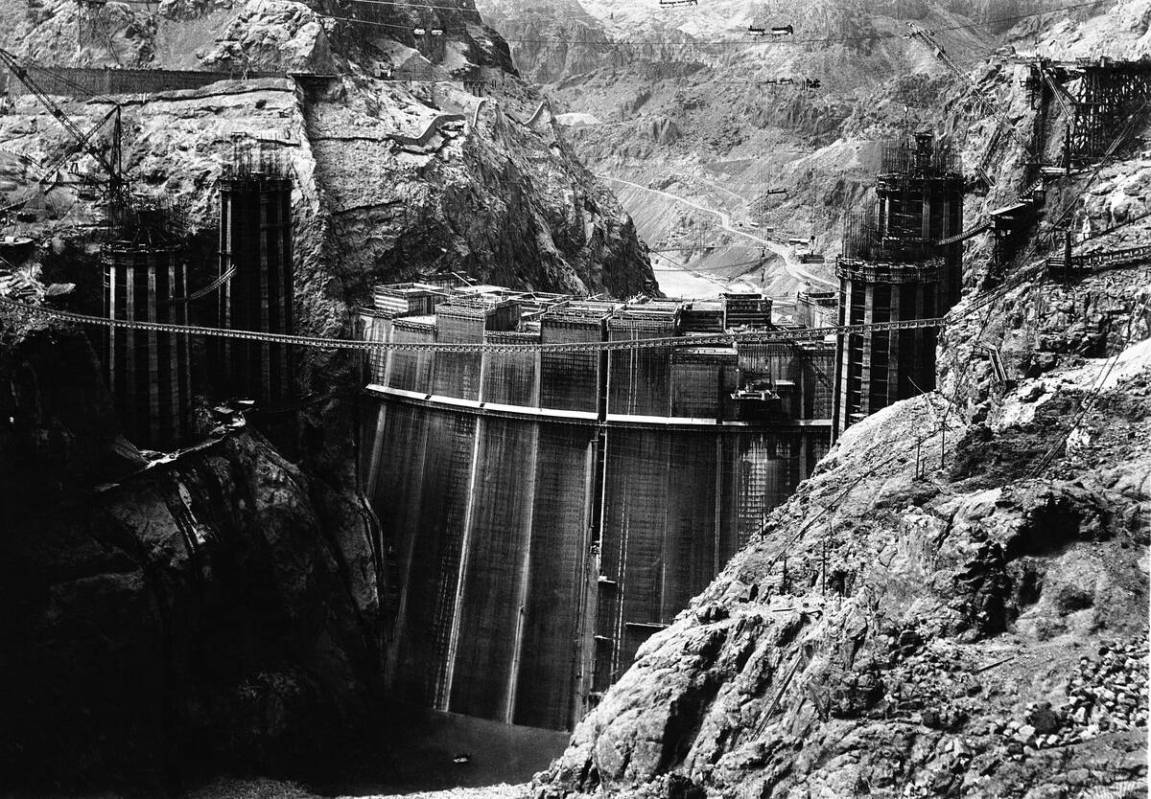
[955, 604]
[225, 607]
[205, 610]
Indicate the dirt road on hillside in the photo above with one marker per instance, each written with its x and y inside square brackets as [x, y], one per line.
[787, 254]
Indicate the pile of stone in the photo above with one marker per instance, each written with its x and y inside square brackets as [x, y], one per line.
[1107, 693]
[1041, 728]
[19, 285]
[933, 687]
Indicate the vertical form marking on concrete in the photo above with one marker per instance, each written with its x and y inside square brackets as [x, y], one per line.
[522, 594]
[444, 699]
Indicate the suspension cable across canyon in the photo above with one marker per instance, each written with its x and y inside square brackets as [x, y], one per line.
[733, 42]
[672, 342]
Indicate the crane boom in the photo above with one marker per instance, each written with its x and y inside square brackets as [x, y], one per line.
[83, 141]
[1002, 122]
[82, 145]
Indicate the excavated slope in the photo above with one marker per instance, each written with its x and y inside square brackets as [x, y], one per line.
[382, 192]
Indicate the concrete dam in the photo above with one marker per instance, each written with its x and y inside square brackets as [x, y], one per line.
[549, 510]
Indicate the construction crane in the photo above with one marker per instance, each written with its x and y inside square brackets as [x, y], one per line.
[83, 141]
[1002, 122]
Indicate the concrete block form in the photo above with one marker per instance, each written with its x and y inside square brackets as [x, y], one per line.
[256, 248]
[816, 308]
[704, 316]
[639, 380]
[511, 378]
[375, 325]
[407, 299]
[702, 381]
[465, 320]
[574, 381]
[747, 309]
[411, 370]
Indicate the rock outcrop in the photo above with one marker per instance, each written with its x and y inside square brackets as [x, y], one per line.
[955, 603]
[191, 612]
[225, 607]
[970, 631]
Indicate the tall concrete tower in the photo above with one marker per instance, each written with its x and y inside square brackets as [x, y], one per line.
[256, 248]
[892, 270]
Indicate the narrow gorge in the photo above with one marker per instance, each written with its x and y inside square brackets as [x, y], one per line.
[545, 398]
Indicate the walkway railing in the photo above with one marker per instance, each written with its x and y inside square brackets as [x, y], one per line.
[671, 342]
[1098, 261]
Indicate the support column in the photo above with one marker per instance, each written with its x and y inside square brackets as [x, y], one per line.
[865, 360]
[151, 421]
[391, 660]
[925, 220]
[376, 456]
[918, 357]
[590, 564]
[894, 365]
[130, 336]
[717, 527]
[263, 306]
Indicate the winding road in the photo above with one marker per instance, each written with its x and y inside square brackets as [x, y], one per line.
[792, 264]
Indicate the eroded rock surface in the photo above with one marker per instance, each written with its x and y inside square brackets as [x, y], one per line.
[225, 608]
[895, 636]
[190, 612]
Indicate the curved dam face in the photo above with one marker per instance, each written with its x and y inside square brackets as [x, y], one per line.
[549, 511]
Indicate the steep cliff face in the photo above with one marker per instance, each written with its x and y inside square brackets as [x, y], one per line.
[551, 41]
[226, 606]
[902, 629]
[196, 611]
[955, 604]
[562, 231]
